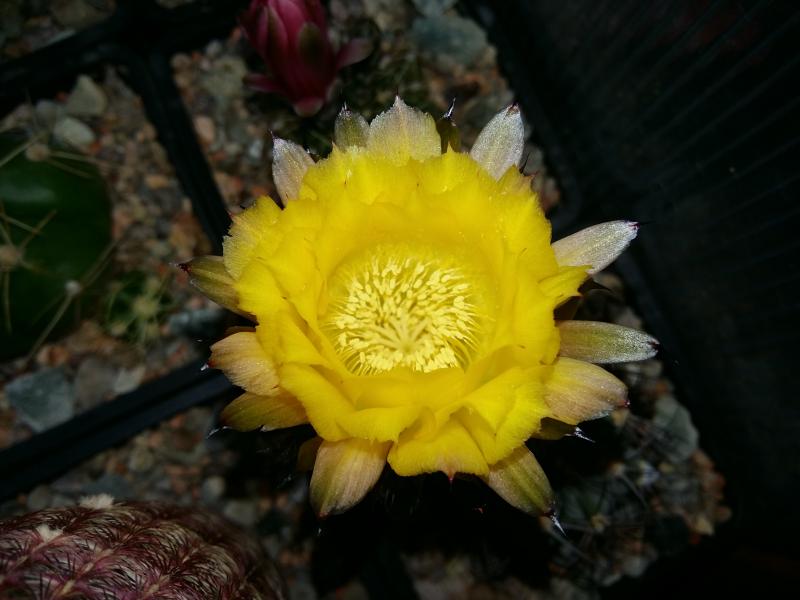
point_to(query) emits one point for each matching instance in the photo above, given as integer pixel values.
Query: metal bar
(50, 453)
(164, 107)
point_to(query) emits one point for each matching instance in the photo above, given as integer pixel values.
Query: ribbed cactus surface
(129, 551)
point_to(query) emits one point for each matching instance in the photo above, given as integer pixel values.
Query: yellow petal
(494, 399)
(597, 246)
(597, 342)
(250, 228)
(520, 481)
(258, 290)
(450, 449)
(296, 270)
(350, 129)
(289, 165)
(447, 172)
(380, 424)
(499, 145)
(324, 403)
(404, 387)
(527, 408)
(532, 319)
(294, 344)
(402, 133)
(564, 284)
(344, 472)
(245, 363)
(209, 275)
(250, 411)
(577, 391)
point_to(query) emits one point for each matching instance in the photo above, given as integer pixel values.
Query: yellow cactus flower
(404, 306)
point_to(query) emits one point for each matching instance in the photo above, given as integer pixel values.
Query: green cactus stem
(55, 235)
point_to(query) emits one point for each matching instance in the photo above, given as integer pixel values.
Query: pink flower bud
(291, 36)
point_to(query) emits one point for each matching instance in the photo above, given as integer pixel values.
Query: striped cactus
(131, 550)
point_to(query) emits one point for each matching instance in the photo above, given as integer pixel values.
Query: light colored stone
(43, 399)
(224, 80)
(94, 382)
(206, 130)
(39, 498)
(141, 459)
(431, 8)
(388, 15)
(241, 512)
(212, 488)
(450, 41)
(128, 379)
(87, 99)
(77, 13)
(73, 132)
(48, 113)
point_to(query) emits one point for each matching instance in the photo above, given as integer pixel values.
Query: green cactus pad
(56, 222)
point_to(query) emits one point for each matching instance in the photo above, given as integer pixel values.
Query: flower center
(401, 306)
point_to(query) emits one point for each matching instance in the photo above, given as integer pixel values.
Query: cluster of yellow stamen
(399, 309)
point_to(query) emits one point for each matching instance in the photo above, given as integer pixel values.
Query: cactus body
(131, 550)
(56, 222)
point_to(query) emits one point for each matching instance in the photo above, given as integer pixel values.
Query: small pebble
(128, 379)
(141, 459)
(48, 112)
(94, 381)
(39, 498)
(42, 399)
(212, 489)
(79, 13)
(73, 132)
(87, 99)
(206, 130)
(449, 40)
(431, 8)
(242, 512)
